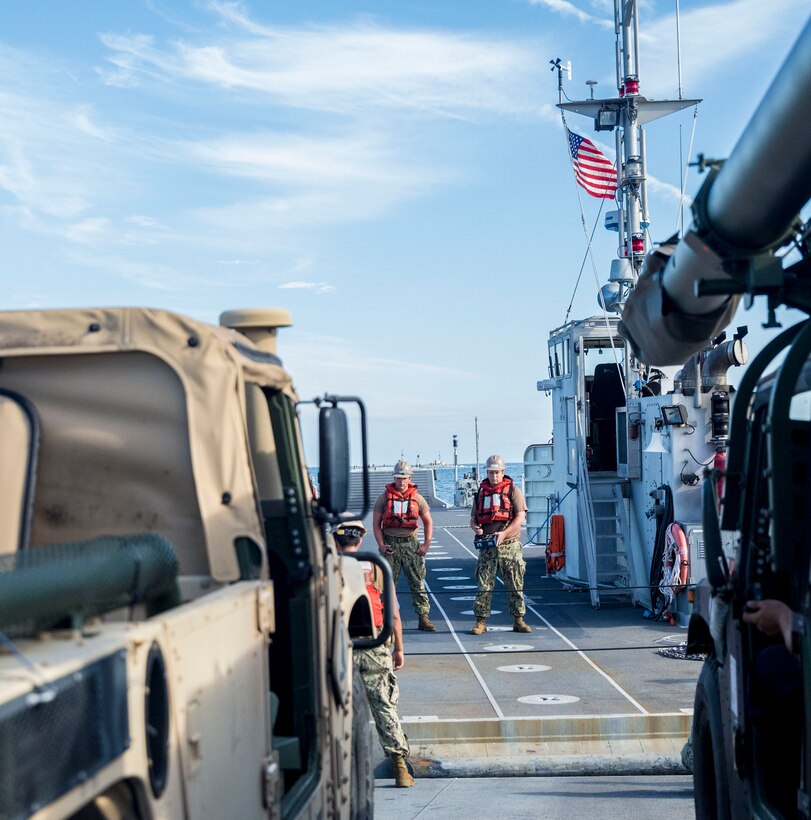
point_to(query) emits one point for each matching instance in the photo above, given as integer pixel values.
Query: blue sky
(393, 173)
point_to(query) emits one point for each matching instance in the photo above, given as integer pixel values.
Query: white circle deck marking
(525, 667)
(461, 586)
(670, 639)
(548, 700)
(492, 612)
(499, 629)
(446, 569)
(508, 647)
(454, 578)
(463, 598)
(440, 558)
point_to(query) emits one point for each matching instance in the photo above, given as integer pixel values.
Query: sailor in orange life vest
(396, 515)
(377, 666)
(499, 510)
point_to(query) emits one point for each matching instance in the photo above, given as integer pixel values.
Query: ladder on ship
(603, 522)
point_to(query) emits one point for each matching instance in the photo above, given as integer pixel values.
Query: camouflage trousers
(376, 668)
(405, 558)
(507, 558)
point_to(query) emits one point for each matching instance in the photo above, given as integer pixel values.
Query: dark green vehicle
(751, 736)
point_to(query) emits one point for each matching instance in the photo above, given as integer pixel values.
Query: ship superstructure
(630, 442)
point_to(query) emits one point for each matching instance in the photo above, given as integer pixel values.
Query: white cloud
(567, 9)
(355, 368)
(142, 221)
(316, 287)
(310, 160)
(154, 276)
(80, 118)
(713, 37)
(349, 68)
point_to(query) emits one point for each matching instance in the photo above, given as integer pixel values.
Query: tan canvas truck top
(175, 371)
(17, 450)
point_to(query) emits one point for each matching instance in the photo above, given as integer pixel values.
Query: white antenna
(678, 43)
(476, 427)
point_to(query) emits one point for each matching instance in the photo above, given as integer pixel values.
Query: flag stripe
(593, 171)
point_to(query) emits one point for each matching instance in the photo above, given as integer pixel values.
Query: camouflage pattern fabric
(405, 558)
(376, 668)
(508, 559)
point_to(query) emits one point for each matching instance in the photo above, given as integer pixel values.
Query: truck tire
(710, 779)
(362, 789)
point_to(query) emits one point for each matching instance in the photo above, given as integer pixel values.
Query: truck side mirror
(333, 460)
(714, 558)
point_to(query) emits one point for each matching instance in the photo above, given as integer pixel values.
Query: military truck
(176, 626)
(751, 736)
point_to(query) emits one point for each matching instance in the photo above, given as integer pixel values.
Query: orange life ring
(676, 549)
(556, 551)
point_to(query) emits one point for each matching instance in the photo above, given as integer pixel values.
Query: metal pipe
(747, 207)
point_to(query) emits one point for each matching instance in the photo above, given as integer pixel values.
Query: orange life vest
(401, 511)
(494, 504)
(374, 594)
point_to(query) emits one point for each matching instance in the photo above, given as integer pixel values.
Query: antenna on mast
(559, 66)
(476, 427)
(455, 471)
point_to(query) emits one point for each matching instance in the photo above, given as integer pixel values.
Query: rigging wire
(566, 586)
(542, 651)
(556, 506)
(590, 255)
(589, 252)
(685, 173)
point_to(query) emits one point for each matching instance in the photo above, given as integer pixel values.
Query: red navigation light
(630, 85)
(637, 244)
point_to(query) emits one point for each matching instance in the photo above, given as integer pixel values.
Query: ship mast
(625, 114)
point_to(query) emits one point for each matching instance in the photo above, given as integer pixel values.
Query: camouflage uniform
(376, 668)
(507, 558)
(404, 557)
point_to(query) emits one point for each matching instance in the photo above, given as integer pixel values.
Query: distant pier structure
(424, 478)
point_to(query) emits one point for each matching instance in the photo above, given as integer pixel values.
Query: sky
(395, 173)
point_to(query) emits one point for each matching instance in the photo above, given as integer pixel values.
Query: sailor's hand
(398, 659)
(385, 549)
(422, 549)
(499, 538)
(770, 617)
(476, 529)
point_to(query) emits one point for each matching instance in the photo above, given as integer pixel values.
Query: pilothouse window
(599, 351)
(559, 359)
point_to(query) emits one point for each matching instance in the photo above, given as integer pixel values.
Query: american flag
(592, 170)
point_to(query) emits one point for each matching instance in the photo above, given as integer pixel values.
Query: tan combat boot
(425, 625)
(402, 777)
(521, 626)
(481, 627)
